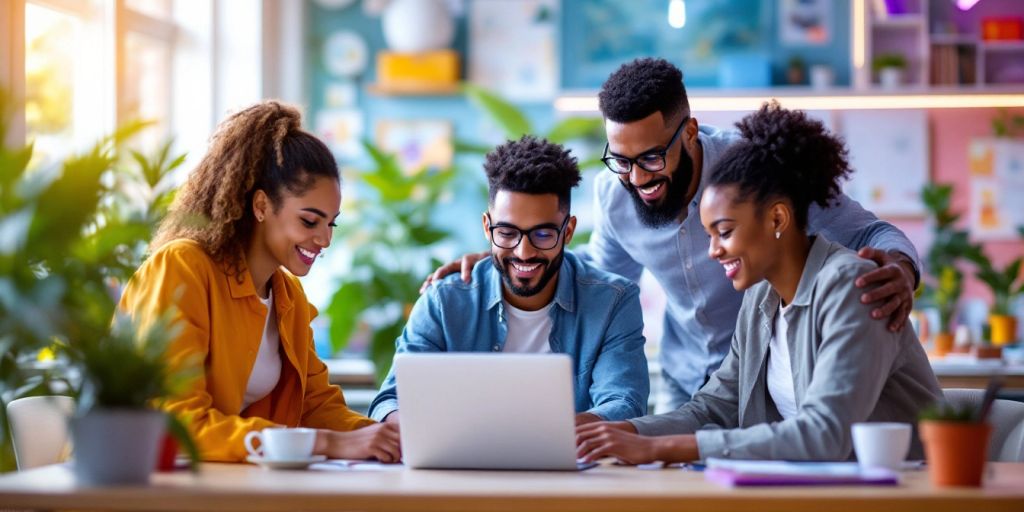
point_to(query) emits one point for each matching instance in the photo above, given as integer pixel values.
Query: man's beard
(674, 200)
(550, 270)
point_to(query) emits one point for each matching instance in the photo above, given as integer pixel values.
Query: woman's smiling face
(742, 236)
(297, 229)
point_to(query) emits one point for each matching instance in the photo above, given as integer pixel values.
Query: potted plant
(951, 247)
(796, 71)
(889, 67)
(1006, 285)
(955, 444)
(68, 238)
(118, 429)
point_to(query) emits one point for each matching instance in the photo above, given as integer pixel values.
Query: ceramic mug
(881, 445)
(280, 443)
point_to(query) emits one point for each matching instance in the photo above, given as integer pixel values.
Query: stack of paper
(734, 473)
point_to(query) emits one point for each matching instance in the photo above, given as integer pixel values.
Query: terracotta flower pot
(1004, 329)
(956, 451)
(943, 343)
(987, 352)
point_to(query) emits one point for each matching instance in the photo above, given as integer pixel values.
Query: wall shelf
(838, 98)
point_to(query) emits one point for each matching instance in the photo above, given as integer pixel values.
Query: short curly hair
(784, 153)
(642, 87)
(260, 148)
(532, 166)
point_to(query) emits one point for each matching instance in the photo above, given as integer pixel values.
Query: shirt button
(495, 348)
(682, 231)
(689, 264)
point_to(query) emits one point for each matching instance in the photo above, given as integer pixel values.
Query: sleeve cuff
(711, 443)
(381, 410)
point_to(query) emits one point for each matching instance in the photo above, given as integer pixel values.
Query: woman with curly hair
(255, 213)
(806, 360)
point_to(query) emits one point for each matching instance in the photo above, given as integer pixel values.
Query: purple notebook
(744, 473)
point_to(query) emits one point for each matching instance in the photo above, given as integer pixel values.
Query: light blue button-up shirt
(596, 320)
(701, 306)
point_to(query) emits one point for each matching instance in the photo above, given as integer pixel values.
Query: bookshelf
(943, 46)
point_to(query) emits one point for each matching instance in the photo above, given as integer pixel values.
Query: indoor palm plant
(67, 240)
(950, 248)
(1006, 285)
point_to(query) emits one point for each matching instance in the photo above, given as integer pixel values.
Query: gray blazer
(847, 367)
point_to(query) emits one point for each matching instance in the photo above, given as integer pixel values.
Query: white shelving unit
(934, 58)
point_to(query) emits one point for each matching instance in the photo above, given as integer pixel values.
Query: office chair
(1007, 419)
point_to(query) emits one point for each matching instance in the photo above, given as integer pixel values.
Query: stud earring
(778, 235)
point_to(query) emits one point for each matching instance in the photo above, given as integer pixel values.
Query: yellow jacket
(222, 324)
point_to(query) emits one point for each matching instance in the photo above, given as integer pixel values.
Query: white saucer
(285, 463)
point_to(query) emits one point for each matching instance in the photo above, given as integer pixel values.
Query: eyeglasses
(652, 161)
(507, 236)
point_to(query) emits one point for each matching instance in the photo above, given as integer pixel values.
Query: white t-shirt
(267, 369)
(780, 371)
(528, 331)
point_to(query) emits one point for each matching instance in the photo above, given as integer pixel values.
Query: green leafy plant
(888, 60)
(950, 248)
(1005, 124)
(1006, 284)
(945, 411)
(65, 240)
(392, 242)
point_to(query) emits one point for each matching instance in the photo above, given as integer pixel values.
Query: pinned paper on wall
(997, 184)
(341, 130)
(513, 47)
(889, 157)
(417, 143)
(805, 22)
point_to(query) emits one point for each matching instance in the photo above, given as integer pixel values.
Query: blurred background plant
(68, 238)
(951, 247)
(395, 241)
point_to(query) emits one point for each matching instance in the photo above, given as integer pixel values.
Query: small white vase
(413, 26)
(890, 78)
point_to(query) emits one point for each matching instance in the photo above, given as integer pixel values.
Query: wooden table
(611, 488)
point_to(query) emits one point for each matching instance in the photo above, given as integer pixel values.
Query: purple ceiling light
(966, 5)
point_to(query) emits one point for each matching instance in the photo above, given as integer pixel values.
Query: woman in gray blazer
(807, 360)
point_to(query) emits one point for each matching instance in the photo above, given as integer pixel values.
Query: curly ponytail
(260, 148)
(784, 154)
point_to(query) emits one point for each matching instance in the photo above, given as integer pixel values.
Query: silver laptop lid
(486, 411)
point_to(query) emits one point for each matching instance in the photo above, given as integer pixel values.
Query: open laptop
(487, 411)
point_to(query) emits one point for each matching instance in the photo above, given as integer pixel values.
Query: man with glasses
(647, 218)
(532, 296)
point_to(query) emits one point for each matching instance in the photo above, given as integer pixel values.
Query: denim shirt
(596, 320)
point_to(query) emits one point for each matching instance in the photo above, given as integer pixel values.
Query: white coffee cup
(881, 445)
(280, 443)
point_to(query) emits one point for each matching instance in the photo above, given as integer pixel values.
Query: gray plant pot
(117, 446)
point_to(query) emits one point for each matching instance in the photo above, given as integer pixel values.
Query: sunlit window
(146, 93)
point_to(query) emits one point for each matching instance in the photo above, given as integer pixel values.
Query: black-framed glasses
(543, 237)
(652, 161)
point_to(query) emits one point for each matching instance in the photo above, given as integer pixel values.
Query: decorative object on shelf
(890, 68)
(822, 76)
(513, 48)
(345, 54)
(414, 26)
(943, 278)
(796, 71)
(1003, 28)
(412, 73)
